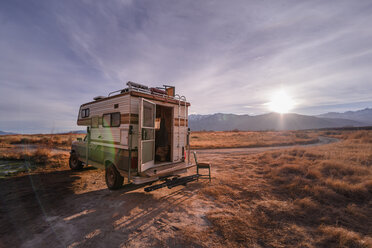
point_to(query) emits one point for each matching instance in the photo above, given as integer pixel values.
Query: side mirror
(79, 139)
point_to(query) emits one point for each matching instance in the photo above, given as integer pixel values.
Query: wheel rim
(110, 176)
(74, 161)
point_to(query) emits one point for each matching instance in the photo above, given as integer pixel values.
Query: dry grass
(47, 140)
(202, 140)
(300, 197)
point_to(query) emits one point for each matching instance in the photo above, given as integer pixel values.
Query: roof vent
(98, 98)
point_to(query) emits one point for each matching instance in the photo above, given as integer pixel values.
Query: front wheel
(74, 162)
(113, 178)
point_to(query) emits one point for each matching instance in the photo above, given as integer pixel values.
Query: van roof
(137, 93)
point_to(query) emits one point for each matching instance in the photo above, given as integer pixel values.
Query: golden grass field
(314, 196)
(203, 140)
(299, 197)
(46, 140)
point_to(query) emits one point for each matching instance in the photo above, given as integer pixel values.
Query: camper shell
(139, 133)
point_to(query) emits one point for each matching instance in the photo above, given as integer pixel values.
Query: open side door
(146, 138)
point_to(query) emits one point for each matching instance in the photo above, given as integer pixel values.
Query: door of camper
(147, 134)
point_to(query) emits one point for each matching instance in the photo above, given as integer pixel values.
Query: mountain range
(275, 121)
(5, 133)
(364, 115)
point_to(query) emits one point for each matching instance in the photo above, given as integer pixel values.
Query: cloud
(222, 56)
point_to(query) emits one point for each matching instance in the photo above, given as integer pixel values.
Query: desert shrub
(69, 141)
(341, 237)
(331, 168)
(358, 192)
(221, 192)
(332, 132)
(313, 156)
(306, 203)
(287, 157)
(232, 226)
(275, 155)
(358, 135)
(21, 141)
(40, 156)
(286, 134)
(297, 152)
(302, 135)
(313, 173)
(288, 169)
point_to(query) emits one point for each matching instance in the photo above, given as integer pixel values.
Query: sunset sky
(224, 56)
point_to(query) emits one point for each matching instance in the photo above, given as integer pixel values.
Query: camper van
(138, 133)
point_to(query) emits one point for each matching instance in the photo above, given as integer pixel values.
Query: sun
(281, 102)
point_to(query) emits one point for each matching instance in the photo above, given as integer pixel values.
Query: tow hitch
(170, 183)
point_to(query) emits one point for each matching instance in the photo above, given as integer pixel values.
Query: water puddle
(8, 167)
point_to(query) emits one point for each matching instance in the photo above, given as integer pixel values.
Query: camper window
(115, 119)
(148, 114)
(111, 120)
(106, 120)
(84, 113)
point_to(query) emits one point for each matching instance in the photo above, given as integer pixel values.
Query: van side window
(84, 113)
(111, 120)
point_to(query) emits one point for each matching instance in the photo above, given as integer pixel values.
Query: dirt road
(75, 209)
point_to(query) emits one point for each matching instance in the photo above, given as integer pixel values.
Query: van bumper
(153, 174)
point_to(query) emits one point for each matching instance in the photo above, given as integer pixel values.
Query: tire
(74, 162)
(113, 178)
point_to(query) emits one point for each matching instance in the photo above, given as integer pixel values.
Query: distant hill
(5, 133)
(364, 115)
(271, 121)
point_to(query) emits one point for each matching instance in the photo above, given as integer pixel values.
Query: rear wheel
(74, 162)
(113, 178)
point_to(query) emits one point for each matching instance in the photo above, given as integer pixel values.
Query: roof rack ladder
(183, 98)
(178, 97)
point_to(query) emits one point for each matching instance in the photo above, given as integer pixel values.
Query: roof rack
(156, 91)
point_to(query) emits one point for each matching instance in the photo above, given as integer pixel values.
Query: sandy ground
(75, 209)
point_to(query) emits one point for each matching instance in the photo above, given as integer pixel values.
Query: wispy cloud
(224, 56)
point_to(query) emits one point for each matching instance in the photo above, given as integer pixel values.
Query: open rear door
(147, 134)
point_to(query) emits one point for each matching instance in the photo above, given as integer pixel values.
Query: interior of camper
(163, 134)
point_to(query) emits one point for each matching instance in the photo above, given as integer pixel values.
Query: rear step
(170, 183)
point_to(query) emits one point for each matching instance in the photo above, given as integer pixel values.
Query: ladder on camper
(181, 98)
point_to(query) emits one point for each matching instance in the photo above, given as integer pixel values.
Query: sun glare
(281, 103)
